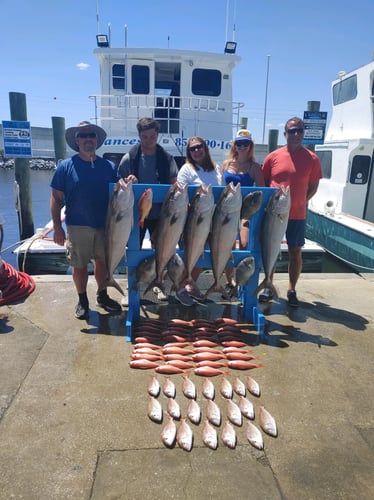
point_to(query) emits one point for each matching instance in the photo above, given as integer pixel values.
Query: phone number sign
(17, 139)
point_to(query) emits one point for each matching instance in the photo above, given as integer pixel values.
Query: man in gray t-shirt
(148, 163)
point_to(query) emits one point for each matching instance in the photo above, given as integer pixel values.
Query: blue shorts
(295, 233)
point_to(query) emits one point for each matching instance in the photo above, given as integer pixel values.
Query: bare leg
(80, 278)
(100, 273)
(294, 266)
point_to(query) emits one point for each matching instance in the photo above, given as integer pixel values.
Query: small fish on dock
(155, 410)
(184, 435)
(210, 436)
(169, 432)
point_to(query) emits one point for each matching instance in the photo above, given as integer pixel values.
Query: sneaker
(293, 301)
(184, 298)
(81, 311)
(103, 300)
(194, 292)
(160, 294)
(266, 295)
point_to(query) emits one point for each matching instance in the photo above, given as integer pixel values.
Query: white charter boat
(341, 213)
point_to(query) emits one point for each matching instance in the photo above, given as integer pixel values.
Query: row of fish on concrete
(207, 348)
(233, 410)
(196, 222)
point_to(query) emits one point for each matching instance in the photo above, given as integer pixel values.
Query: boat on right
(341, 213)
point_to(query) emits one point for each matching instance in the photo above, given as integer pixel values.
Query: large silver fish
(243, 272)
(119, 222)
(169, 228)
(225, 227)
(145, 272)
(272, 231)
(176, 271)
(251, 204)
(198, 225)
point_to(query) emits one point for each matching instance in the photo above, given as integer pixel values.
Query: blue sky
(47, 50)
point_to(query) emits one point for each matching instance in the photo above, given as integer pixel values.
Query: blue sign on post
(315, 126)
(17, 139)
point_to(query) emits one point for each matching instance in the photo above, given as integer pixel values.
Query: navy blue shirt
(86, 189)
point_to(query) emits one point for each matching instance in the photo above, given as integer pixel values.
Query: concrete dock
(73, 414)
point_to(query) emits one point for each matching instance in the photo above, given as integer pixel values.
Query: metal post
(58, 128)
(273, 139)
(266, 98)
(17, 104)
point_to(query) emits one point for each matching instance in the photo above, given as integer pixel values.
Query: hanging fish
(184, 435)
(233, 413)
(193, 412)
(213, 413)
(210, 436)
(253, 386)
(239, 387)
(254, 435)
(169, 432)
(173, 408)
(144, 206)
(246, 407)
(228, 435)
(154, 386)
(168, 388)
(208, 389)
(188, 387)
(226, 388)
(267, 422)
(155, 410)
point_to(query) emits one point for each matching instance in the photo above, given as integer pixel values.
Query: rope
(14, 285)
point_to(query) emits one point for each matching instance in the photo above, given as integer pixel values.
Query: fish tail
(266, 283)
(112, 282)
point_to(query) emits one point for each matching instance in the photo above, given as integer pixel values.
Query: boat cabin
(188, 92)
(347, 155)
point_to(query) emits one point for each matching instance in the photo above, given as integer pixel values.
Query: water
(41, 191)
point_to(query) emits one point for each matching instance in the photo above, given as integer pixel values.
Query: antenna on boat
(230, 46)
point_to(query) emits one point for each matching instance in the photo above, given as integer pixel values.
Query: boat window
(118, 73)
(360, 169)
(206, 82)
(140, 79)
(325, 157)
(345, 90)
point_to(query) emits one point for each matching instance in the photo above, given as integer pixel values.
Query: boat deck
(73, 415)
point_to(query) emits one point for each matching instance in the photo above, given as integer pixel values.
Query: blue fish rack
(135, 254)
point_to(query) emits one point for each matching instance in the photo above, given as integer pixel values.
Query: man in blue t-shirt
(82, 184)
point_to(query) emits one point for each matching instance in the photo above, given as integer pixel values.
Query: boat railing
(119, 107)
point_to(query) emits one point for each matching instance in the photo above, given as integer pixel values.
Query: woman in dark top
(241, 167)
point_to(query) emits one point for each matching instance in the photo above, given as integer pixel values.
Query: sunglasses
(294, 131)
(242, 144)
(193, 149)
(87, 135)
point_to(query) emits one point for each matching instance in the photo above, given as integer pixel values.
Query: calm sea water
(40, 180)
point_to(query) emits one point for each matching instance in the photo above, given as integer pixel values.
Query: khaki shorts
(83, 244)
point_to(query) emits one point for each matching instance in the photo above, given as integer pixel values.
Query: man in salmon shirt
(299, 168)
